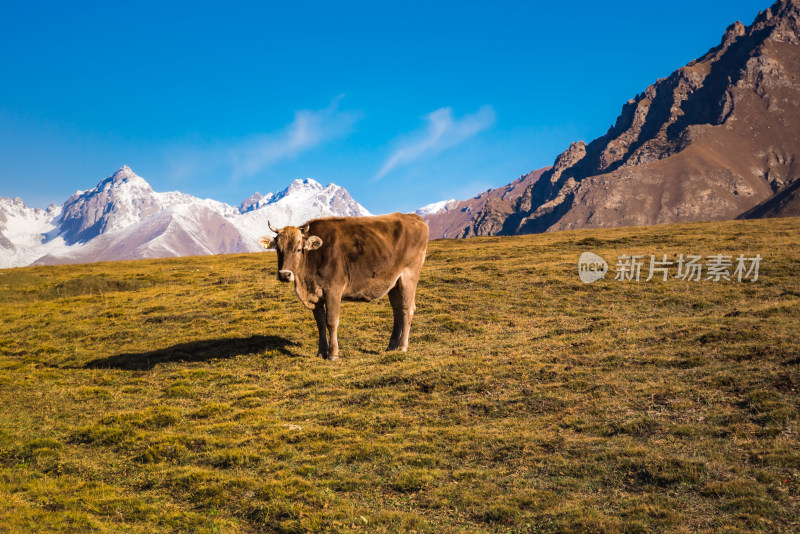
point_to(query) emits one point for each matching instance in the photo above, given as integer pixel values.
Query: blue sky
(402, 103)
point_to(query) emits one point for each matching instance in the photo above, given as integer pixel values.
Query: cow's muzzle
(286, 276)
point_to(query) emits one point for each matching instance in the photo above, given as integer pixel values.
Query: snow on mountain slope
(22, 231)
(120, 201)
(255, 201)
(180, 230)
(123, 218)
(436, 207)
(301, 201)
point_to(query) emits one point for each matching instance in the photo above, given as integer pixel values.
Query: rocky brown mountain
(717, 139)
(483, 214)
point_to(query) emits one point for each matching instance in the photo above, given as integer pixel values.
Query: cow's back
(367, 254)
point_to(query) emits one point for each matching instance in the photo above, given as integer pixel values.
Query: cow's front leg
(320, 317)
(332, 304)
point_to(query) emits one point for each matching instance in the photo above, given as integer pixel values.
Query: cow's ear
(266, 241)
(313, 243)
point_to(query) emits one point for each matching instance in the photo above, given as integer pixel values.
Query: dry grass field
(184, 395)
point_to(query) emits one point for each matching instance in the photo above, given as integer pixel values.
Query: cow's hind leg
(401, 297)
(321, 317)
(396, 300)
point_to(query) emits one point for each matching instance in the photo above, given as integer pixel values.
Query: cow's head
(291, 243)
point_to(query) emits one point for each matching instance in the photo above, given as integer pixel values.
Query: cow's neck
(307, 291)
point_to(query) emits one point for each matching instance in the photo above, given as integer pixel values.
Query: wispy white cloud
(442, 130)
(249, 156)
(309, 128)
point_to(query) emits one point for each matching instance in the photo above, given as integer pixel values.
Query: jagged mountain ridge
(478, 215)
(302, 200)
(706, 143)
(711, 141)
(123, 218)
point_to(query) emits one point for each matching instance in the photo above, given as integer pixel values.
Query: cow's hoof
(327, 355)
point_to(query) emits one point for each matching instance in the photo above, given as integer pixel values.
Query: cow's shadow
(195, 351)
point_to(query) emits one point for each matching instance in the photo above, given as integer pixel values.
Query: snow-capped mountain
(118, 202)
(437, 207)
(123, 218)
(301, 201)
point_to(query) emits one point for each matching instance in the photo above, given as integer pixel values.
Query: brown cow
(353, 258)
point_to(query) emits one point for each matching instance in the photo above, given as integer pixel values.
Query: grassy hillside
(184, 395)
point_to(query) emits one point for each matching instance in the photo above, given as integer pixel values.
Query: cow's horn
(272, 227)
(305, 228)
